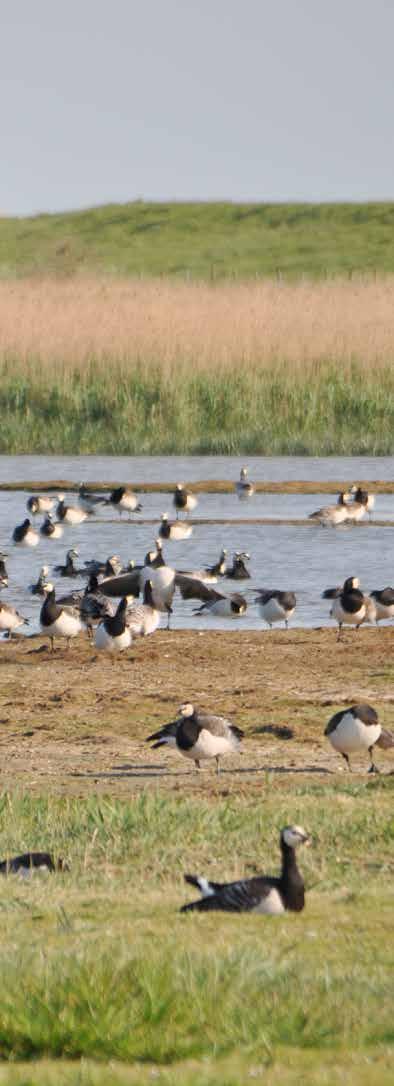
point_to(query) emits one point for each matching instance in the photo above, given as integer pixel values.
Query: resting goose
(233, 606)
(51, 529)
(349, 608)
(238, 570)
(354, 730)
(244, 488)
(30, 862)
(123, 498)
(364, 498)
(262, 894)
(276, 606)
(143, 618)
(174, 529)
(198, 735)
(184, 500)
(57, 620)
(69, 570)
(89, 501)
(10, 619)
(24, 535)
(42, 586)
(3, 571)
(333, 514)
(40, 503)
(113, 635)
(70, 514)
(384, 603)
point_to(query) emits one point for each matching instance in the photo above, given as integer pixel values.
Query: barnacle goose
(24, 535)
(349, 608)
(232, 606)
(123, 498)
(50, 528)
(276, 606)
(41, 586)
(244, 488)
(70, 514)
(143, 618)
(10, 618)
(40, 503)
(56, 620)
(262, 894)
(174, 529)
(110, 568)
(3, 571)
(354, 730)
(29, 862)
(239, 571)
(89, 501)
(184, 500)
(384, 602)
(333, 514)
(363, 497)
(113, 635)
(69, 570)
(198, 735)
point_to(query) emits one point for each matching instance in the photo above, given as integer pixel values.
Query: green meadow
(104, 981)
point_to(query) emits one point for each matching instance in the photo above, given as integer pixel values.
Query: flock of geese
(196, 735)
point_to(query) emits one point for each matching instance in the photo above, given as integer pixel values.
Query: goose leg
(373, 768)
(52, 644)
(347, 760)
(217, 764)
(339, 637)
(197, 764)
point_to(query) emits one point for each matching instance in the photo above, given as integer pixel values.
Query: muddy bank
(207, 486)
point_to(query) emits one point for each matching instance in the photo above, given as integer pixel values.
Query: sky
(117, 100)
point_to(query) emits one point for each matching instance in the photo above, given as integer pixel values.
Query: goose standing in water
(219, 568)
(184, 500)
(276, 606)
(175, 529)
(198, 735)
(10, 619)
(70, 514)
(56, 620)
(40, 503)
(51, 529)
(24, 535)
(113, 635)
(262, 894)
(333, 514)
(244, 488)
(124, 499)
(356, 730)
(41, 586)
(349, 608)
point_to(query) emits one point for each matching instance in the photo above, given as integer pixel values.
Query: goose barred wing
(218, 725)
(234, 897)
(386, 739)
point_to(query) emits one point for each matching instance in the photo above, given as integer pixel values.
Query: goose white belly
(65, 626)
(223, 608)
(162, 580)
(244, 491)
(9, 621)
(271, 905)
(347, 617)
(383, 610)
(74, 516)
(180, 530)
(30, 539)
(103, 640)
(272, 611)
(357, 512)
(352, 735)
(210, 746)
(57, 532)
(143, 621)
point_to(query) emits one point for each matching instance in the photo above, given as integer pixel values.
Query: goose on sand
(199, 735)
(40, 503)
(174, 529)
(355, 730)
(113, 635)
(10, 619)
(184, 500)
(50, 528)
(349, 608)
(70, 514)
(262, 894)
(29, 862)
(276, 606)
(24, 535)
(244, 488)
(124, 499)
(56, 620)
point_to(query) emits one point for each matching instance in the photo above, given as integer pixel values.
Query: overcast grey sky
(195, 99)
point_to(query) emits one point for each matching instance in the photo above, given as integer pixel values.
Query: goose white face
(164, 516)
(294, 835)
(61, 497)
(187, 709)
(355, 582)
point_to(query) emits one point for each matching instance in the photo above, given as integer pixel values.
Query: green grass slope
(202, 240)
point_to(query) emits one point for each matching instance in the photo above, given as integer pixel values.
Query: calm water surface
(305, 559)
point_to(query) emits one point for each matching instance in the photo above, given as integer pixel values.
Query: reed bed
(98, 365)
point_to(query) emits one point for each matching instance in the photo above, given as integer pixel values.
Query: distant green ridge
(203, 240)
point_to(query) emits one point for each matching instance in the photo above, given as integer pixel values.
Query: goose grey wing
(217, 725)
(126, 584)
(191, 588)
(234, 897)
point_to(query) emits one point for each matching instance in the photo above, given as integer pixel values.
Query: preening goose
(174, 529)
(333, 514)
(198, 735)
(124, 499)
(10, 618)
(56, 620)
(354, 730)
(184, 500)
(349, 608)
(113, 635)
(50, 528)
(276, 606)
(24, 535)
(263, 894)
(40, 503)
(244, 488)
(69, 514)
(30, 862)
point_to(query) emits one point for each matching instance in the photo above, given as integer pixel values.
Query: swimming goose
(29, 862)
(354, 730)
(70, 514)
(143, 618)
(57, 620)
(89, 501)
(360, 495)
(184, 500)
(3, 571)
(219, 568)
(123, 498)
(233, 606)
(24, 535)
(199, 735)
(69, 570)
(113, 635)
(42, 586)
(349, 608)
(276, 606)
(238, 570)
(50, 528)
(174, 529)
(357, 508)
(110, 568)
(333, 514)
(244, 488)
(262, 894)
(40, 503)
(384, 602)
(10, 619)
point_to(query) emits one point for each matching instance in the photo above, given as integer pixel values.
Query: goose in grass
(384, 603)
(143, 618)
(357, 730)
(88, 501)
(271, 895)
(113, 635)
(364, 497)
(233, 606)
(174, 529)
(40, 503)
(51, 529)
(349, 608)
(184, 500)
(124, 500)
(198, 735)
(41, 587)
(10, 619)
(68, 569)
(238, 571)
(69, 514)
(57, 620)
(24, 535)
(30, 862)
(333, 514)
(276, 606)
(3, 571)
(244, 488)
